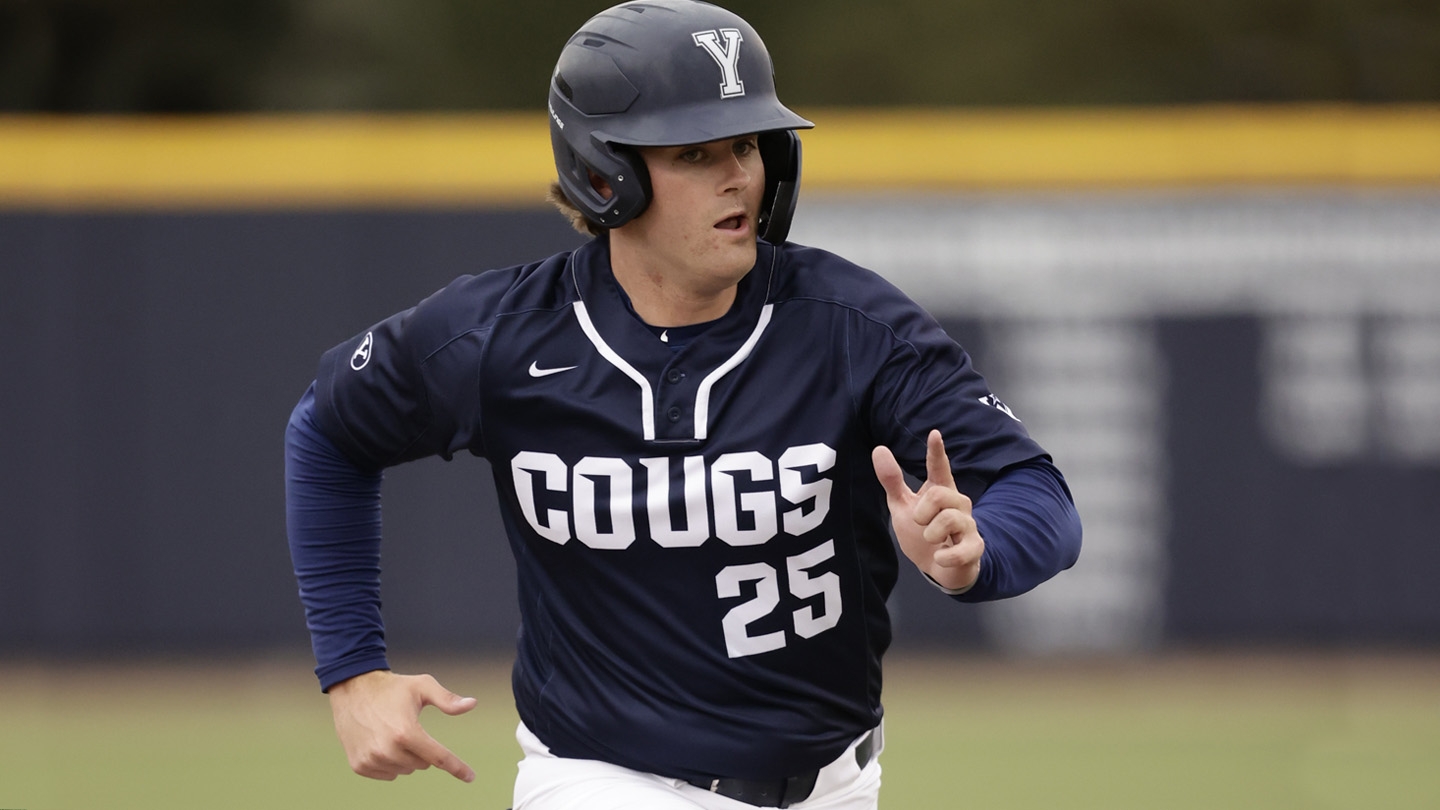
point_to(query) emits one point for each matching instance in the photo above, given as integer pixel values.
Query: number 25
(738, 641)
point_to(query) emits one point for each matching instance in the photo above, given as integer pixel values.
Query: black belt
(779, 792)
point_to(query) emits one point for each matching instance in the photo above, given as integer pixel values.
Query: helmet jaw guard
(780, 151)
(666, 73)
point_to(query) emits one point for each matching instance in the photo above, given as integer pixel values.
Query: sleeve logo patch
(994, 402)
(361, 357)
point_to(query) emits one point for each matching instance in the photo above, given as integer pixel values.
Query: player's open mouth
(734, 223)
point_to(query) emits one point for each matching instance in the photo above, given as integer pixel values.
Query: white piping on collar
(702, 396)
(647, 397)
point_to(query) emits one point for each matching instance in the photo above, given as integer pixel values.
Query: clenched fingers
(387, 763)
(406, 754)
(963, 551)
(945, 509)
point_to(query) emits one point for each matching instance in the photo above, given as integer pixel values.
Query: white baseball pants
(548, 782)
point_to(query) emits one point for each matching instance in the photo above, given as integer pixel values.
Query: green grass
(1209, 732)
(1240, 732)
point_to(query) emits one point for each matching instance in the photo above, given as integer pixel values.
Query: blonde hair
(556, 197)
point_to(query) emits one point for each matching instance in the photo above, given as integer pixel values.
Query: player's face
(700, 226)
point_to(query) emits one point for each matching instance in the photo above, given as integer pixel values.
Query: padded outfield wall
(1225, 324)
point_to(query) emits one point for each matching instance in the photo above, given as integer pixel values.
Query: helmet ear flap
(780, 152)
(629, 181)
(622, 169)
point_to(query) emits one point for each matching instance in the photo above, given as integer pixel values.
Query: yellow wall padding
(504, 158)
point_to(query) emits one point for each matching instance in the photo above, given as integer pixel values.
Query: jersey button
(675, 375)
(674, 415)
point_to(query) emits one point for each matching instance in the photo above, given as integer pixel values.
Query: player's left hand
(933, 524)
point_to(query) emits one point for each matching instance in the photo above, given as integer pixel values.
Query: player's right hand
(377, 717)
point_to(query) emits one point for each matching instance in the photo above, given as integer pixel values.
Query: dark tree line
(280, 55)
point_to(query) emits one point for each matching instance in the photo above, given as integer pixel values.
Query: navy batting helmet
(666, 73)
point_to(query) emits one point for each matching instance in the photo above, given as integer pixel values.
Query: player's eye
(693, 155)
(746, 146)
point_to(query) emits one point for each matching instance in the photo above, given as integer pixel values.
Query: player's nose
(741, 170)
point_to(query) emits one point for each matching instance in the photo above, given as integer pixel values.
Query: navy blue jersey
(702, 546)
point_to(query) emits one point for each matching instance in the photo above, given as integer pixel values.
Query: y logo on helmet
(727, 57)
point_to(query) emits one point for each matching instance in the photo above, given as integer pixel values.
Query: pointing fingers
(428, 748)
(934, 525)
(942, 509)
(431, 752)
(937, 462)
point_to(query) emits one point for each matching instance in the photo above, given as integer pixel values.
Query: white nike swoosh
(536, 371)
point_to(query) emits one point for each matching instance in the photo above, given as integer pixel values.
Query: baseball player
(700, 435)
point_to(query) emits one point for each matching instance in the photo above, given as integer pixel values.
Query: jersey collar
(629, 345)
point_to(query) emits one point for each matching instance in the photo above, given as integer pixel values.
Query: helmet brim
(697, 123)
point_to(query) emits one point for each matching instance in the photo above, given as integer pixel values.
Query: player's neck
(665, 298)
(661, 304)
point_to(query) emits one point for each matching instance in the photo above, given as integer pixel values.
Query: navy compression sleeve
(332, 511)
(1031, 530)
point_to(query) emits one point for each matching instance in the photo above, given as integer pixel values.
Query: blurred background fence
(1222, 317)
